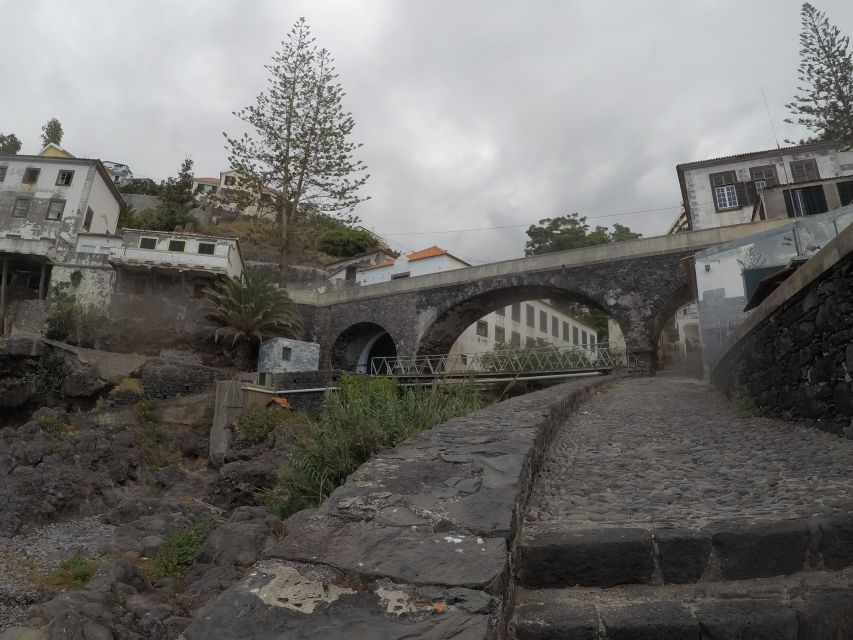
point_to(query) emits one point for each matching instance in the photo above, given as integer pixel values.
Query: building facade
(46, 202)
(724, 191)
(229, 192)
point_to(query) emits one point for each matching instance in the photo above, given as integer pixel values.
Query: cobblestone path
(663, 510)
(669, 450)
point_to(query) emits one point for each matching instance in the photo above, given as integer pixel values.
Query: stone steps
(556, 555)
(805, 606)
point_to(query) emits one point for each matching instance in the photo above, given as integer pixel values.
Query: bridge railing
(592, 357)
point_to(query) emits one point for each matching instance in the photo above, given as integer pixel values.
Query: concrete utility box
(282, 355)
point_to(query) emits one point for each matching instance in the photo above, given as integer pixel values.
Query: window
(463, 358)
(22, 208)
(804, 170)
(64, 178)
(515, 339)
(206, 248)
(725, 191)
(763, 176)
(845, 193)
(2, 173)
(567, 336)
(555, 327)
(583, 338)
(177, 245)
(531, 316)
(516, 312)
(262, 379)
(500, 336)
(87, 221)
(806, 201)
(148, 243)
(543, 321)
(285, 353)
(482, 328)
(575, 336)
(31, 175)
(55, 209)
(500, 312)
(230, 181)
(400, 276)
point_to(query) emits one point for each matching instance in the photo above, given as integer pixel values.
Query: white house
(228, 192)
(46, 201)
(722, 191)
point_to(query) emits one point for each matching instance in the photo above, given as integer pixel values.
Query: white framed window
(55, 209)
(206, 248)
(22, 208)
(64, 178)
(726, 197)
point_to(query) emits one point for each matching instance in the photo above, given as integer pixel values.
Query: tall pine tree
(824, 105)
(299, 147)
(51, 132)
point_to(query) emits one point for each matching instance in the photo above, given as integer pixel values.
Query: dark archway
(359, 344)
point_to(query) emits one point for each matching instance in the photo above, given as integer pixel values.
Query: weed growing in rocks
(747, 407)
(177, 552)
(256, 425)
(365, 416)
(151, 439)
(50, 374)
(73, 573)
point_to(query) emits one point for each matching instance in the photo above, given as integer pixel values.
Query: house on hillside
(226, 191)
(534, 323)
(344, 272)
(802, 180)
(46, 201)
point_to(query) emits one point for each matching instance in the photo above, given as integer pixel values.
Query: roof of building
(333, 263)
(193, 234)
(52, 150)
(386, 263)
(99, 167)
(750, 155)
(433, 252)
(207, 180)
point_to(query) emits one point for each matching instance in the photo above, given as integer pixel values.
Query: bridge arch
(444, 329)
(353, 349)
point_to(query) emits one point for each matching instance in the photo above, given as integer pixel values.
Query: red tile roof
(429, 252)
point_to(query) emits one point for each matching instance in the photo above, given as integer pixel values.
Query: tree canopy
(9, 144)
(346, 242)
(51, 132)
(176, 201)
(299, 144)
(824, 102)
(571, 232)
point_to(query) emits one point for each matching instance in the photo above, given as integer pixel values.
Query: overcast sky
(473, 114)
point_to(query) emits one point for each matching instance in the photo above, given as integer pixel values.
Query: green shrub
(73, 573)
(153, 435)
(255, 425)
(177, 552)
(365, 416)
(49, 423)
(75, 322)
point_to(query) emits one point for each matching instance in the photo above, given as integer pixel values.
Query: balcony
(179, 261)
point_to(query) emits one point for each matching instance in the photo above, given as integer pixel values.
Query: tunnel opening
(359, 346)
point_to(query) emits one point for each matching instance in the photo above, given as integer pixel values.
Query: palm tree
(250, 311)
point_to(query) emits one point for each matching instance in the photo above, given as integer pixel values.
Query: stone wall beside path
(417, 544)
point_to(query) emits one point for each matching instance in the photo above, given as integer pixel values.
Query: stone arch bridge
(639, 283)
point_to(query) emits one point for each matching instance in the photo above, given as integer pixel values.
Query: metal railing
(593, 357)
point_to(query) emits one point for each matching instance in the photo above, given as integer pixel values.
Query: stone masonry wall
(798, 362)
(419, 542)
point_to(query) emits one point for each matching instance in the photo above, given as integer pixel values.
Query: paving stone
(649, 621)
(683, 554)
(556, 622)
(760, 550)
(746, 620)
(600, 558)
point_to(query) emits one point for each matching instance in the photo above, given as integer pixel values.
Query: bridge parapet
(793, 357)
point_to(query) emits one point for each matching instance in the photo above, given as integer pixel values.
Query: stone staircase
(789, 579)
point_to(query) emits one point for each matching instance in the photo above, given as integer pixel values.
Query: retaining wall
(419, 542)
(793, 357)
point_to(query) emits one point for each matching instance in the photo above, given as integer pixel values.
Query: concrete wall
(303, 356)
(225, 257)
(793, 357)
(96, 279)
